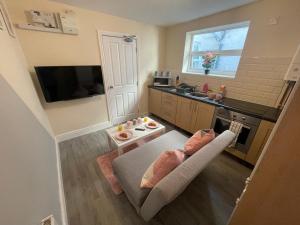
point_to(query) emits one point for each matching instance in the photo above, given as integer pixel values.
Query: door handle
(110, 87)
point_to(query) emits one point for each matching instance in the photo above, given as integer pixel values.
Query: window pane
(231, 39)
(197, 63)
(222, 65)
(227, 64)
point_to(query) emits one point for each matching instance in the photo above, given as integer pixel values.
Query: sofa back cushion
(198, 140)
(162, 166)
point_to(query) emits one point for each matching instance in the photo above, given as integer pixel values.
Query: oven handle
(229, 121)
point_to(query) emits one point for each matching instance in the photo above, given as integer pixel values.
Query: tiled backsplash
(258, 80)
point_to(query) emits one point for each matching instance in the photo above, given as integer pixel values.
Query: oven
(222, 120)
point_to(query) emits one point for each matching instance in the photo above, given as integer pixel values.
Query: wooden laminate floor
(208, 200)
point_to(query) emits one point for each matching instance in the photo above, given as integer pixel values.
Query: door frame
(102, 33)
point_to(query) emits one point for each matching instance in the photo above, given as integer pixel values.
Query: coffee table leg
(120, 151)
(109, 143)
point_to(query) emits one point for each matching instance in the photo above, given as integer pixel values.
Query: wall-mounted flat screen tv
(60, 83)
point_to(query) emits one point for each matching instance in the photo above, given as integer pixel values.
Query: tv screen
(61, 83)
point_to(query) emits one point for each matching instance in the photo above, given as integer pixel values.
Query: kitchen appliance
(60, 83)
(162, 79)
(222, 120)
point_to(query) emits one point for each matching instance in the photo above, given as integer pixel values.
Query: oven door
(245, 137)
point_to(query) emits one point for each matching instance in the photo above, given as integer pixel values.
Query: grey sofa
(130, 168)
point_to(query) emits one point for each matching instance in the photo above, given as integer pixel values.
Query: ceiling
(158, 12)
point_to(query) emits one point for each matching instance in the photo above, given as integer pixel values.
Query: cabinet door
(259, 141)
(205, 113)
(155, 101)
(168, 107)
(186, 113)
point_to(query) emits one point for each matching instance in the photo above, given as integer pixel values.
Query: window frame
(187, 67)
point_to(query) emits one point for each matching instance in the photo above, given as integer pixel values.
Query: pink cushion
(198, 140)
(162, 166)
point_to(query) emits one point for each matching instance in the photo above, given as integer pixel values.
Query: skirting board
(62, 201)
(83, 131)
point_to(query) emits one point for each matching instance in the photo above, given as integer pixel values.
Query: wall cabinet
(262, 135)
(155, 101)
(168, 107)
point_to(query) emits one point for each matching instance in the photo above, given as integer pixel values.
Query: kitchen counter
(251, 109)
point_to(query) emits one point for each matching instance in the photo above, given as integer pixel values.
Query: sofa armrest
(175, 183)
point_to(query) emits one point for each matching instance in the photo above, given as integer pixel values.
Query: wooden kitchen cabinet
(168, 107)
(155, 101)
(186, 114)
(204, 116)
(193, 115)
(259, 141)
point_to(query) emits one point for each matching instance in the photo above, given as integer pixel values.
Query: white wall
(28, 164)
(58, 49)
(267, 53)
(13, 68)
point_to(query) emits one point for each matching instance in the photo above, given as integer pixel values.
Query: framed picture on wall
(6, 18)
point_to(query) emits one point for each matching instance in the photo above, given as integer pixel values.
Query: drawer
(168, 107)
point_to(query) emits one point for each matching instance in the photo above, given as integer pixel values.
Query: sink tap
(195, 88)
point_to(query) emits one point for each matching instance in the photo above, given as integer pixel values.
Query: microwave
(162, 81)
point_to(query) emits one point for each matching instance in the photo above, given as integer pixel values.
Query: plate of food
(151, 125)
(123, 135)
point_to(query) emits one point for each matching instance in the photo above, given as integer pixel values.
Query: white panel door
(119, 61)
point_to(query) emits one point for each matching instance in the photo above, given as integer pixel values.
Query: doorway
(119, 63)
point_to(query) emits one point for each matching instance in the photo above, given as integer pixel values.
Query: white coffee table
(136, 135)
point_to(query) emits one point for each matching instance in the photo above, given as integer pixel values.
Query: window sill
(209, 75)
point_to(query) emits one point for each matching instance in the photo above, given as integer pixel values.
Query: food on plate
(123, 135)
(152, 124)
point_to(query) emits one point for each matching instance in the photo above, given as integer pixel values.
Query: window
(225, 42)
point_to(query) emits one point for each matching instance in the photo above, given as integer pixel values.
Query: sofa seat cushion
(130, 167)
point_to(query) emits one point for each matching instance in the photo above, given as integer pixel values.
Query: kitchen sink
(179, 90)
(198, 94)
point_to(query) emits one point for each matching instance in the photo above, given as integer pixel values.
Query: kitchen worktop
(251, 109)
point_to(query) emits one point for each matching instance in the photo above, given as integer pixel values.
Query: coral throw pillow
(162, 166)
(198, 140)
